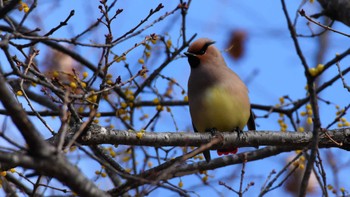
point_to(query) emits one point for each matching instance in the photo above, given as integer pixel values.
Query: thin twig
(285, 168)
(35, 53)
(302, 13)
(342, 78)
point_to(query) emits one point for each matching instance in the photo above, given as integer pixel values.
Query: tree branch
(298, 140)
(55, 166)
(191, 168)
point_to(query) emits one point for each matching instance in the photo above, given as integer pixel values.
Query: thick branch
(337, 10)
(55, 166)
(8, 8)
(37, 145)
(101, 135)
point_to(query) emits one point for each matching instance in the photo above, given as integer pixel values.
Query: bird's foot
(212, 131)
(239, 131)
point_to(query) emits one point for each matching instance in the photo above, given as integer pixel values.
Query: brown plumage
(218, 99)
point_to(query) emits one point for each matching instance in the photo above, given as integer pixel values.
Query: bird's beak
(210, 43)
(188, 54)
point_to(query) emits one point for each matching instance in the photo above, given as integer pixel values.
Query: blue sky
(269, 52)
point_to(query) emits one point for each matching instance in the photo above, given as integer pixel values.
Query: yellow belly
(223, 110)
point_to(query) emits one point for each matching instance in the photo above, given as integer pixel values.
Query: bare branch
(298, 140)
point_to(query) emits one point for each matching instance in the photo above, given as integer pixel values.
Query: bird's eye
(202, 51)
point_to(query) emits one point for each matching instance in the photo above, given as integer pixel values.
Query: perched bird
(218, 99)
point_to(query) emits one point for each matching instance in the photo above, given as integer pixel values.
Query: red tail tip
(226, 151)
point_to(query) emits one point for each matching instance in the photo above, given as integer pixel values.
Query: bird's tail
(206, 154)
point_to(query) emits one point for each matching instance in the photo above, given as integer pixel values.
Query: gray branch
(101, 135)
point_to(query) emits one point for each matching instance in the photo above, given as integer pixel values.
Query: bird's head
(201, 51)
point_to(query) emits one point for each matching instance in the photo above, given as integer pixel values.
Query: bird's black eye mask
(204, 48)
(193, 60)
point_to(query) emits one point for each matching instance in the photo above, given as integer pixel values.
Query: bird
(218, 98)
